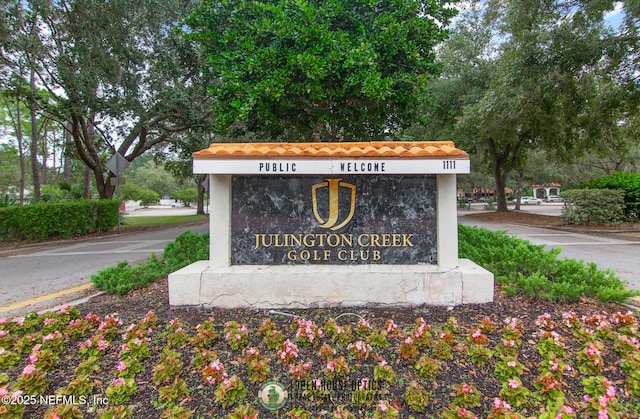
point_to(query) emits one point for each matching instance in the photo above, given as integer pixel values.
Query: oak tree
(326, 70)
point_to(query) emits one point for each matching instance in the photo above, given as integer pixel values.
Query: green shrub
(59, 219)
(186, 195)
(523, 268)
(184, 250)
(187, 248)
(520, 267)
(7, 201)
(626, 182)
(148, 197)
(593, 206)
(123, 278)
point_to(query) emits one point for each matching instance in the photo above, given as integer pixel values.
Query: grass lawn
(144, 221)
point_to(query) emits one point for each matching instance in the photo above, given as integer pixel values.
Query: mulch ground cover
(135, 356)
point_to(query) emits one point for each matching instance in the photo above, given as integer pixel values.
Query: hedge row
(62, 219)
(626, 182)
(593, 206)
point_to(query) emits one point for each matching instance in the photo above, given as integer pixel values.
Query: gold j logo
(333, 186)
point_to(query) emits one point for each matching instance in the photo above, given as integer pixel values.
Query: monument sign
(329, 224)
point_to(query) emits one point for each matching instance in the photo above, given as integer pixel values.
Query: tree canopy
(523, 74)
(120, 76)
(325, 70)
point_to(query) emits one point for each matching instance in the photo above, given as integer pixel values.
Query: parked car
(553, 198)
(528, 200)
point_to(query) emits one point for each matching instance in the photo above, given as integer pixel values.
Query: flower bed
(133, 356)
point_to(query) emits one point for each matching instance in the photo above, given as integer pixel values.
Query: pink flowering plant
(206, 334)
(384, 372)
(340, 335)
(326, 352)
(214, 373)
(288, 352)
(136, 349)
(359, 350)
(230, 391)
(271, 336)
(341, 412)
(508, 367)
(427, 367)
(177, 336)
(307, 333)
(385, 410)
(96, 346)
(257, 366)
(408, 349)
(109, 326)
(121, 389)
(515, 393)
(236, 334)
(363, 327)
(337, 368)
(600, 398)
(453, 411)
(503, 410)
(421, 334)
(301, 370)
(32, 380)
(589, 359)
(442, 347)
(554, 365)
(466, 395)
(513, 329)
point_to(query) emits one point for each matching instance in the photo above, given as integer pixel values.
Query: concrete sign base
(310, 286)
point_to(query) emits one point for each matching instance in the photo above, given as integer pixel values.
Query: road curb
(43, 298)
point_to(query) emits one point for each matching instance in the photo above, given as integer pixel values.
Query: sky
(614, 18)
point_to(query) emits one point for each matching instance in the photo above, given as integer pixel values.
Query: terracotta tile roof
(424, 149)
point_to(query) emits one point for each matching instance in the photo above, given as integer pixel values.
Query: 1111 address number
(449, 164)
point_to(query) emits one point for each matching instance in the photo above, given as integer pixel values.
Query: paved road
(34, 272)
(610, 251)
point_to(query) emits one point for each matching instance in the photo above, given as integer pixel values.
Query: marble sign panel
(333, 220)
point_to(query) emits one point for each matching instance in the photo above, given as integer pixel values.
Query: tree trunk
(315, 135)
(68, 144)
(519, 189)
(86, 186)
(35, 173)
(499, 177)
(501, 197)
(45, 157)
(504, 160)
(201, 193)
(20, 138)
